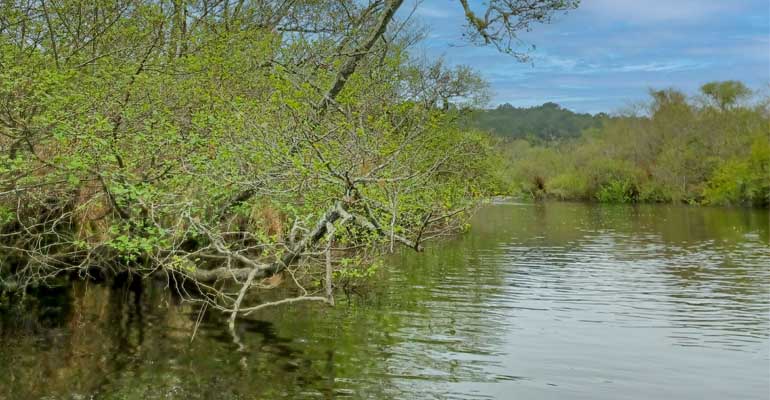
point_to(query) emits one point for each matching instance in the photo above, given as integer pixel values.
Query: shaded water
(548, 301)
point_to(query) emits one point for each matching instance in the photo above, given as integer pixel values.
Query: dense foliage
(544, 123)
(210, 140)
(712, 149)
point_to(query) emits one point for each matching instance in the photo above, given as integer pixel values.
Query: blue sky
(605, 55)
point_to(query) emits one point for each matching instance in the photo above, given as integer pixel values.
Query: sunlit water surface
(537, 301)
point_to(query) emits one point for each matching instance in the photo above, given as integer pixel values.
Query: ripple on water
(538, 301)
(625, 302)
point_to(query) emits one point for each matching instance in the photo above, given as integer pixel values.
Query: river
(536, 301)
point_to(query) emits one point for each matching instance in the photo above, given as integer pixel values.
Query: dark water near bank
(554, 301)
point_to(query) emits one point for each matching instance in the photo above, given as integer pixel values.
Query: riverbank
(705, 150)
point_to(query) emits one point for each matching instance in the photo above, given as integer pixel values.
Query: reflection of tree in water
(703, 271)
(41, 309)
(429, 321)
(446, 302)
(69, 349)
(133, 341)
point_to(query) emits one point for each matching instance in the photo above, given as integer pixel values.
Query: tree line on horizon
(544, 123)
(710, 149)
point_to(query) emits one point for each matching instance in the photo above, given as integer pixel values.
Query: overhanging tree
(214, 141)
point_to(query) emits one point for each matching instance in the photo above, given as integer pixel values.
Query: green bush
(568, 186)
(618, 191)
(654, 192)
(740, 181)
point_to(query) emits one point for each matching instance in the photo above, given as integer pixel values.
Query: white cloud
(555, 62)
(429, 11)
(664, 66)
(661, 10)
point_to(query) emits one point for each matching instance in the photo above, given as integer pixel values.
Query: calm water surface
(547, 301)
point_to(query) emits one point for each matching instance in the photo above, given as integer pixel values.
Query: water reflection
(538, 301)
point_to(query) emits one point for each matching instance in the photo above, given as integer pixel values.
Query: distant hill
(547, 122)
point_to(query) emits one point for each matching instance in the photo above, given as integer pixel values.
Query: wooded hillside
(547, 122)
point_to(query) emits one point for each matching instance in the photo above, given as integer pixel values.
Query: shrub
(743, 181)
(618, 191)
(568, 186)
